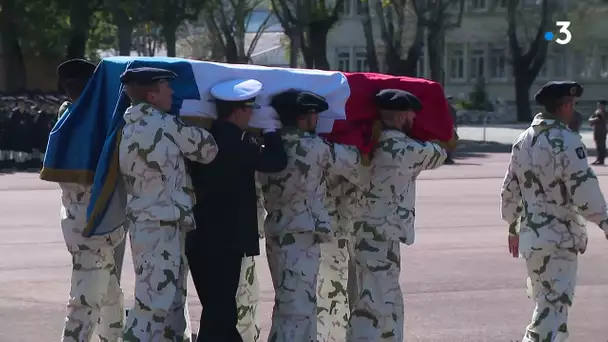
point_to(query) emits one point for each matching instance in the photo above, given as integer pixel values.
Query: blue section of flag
(84, 138)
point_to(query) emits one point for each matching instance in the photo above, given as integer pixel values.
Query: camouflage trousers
(95, 298)
(377, 313)
(551, 282)
(293, 259)
(332, 299)
(247, 301)
(160, 312)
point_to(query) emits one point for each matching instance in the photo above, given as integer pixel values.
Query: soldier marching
(201, 200)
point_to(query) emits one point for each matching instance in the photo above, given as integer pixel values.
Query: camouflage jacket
(152, 151)
(388, 206)
(295, 197)
(343, 201)
(261, 208)
(550, 189)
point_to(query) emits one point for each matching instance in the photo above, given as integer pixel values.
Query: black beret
(395, 99)
(556, 90)
(75, 69)
(296, 102)
(146, 75)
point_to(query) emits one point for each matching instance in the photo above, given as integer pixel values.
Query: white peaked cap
(236, 90)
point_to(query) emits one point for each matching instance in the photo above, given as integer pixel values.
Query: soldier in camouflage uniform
(297, 220)
(95, 295)
(248, 293)
(547, 194)
(388, 219)
(152, 153)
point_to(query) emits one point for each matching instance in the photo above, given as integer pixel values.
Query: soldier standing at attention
(226, 210)
(598, 123)
(298, 221)
(549, 191)
(388, 219)
(95, 294)
(152, 153)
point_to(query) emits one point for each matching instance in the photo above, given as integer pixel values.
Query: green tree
(170, 14)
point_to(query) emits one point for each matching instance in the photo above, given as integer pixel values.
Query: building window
(343, 60)
(456, 64)
(420, 67)
(478, 5)
(361, 64)
(503, 3)
(583, 65)
(498, 63)
(477, 63)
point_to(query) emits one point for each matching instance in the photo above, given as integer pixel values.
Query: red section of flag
(432, 122)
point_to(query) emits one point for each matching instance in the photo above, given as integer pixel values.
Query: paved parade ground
(459, 281)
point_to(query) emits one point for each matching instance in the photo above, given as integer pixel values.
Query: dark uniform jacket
(226, 202)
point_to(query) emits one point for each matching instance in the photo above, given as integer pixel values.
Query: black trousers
(216, 278)
(600, 146)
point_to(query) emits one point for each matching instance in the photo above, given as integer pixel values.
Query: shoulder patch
(580, 153)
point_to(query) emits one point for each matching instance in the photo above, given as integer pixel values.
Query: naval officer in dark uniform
(226, 207)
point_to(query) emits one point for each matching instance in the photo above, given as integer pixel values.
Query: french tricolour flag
(82, 145)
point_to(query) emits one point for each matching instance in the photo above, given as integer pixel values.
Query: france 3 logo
(563, 36)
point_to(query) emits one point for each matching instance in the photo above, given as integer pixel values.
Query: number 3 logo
(563, 29)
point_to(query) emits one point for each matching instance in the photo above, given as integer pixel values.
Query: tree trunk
(14, 64)
(318, 42)
(370, 46)
(294, 49)
(80, 23)
(169, 30)
(435, 52)
(522, 98)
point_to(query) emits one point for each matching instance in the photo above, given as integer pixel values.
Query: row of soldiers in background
(26, 121)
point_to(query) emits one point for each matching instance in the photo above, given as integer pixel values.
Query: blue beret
(146, 75)
(395, 99)
(556, 90)
(75, 69)
(296, 102)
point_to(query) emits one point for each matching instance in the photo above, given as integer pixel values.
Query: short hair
(553, 105)
(139, 92)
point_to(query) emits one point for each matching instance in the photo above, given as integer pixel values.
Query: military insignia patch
(580, 153)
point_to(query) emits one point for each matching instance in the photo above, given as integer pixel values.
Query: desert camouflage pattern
(248, 293)
(388, 206)
(96, 299)
(293, 260)
(161, 270)
(388, 212)
(343, 202)
(332, 298)
(551, 190)
(159, 214)
(247, 301)
(152, 151)
(548, 194)
(295, 197)
(551, 283)
(297, 221)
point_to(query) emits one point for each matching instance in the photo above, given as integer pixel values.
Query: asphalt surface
(459, 282)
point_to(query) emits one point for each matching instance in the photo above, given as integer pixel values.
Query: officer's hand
(514, 245)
